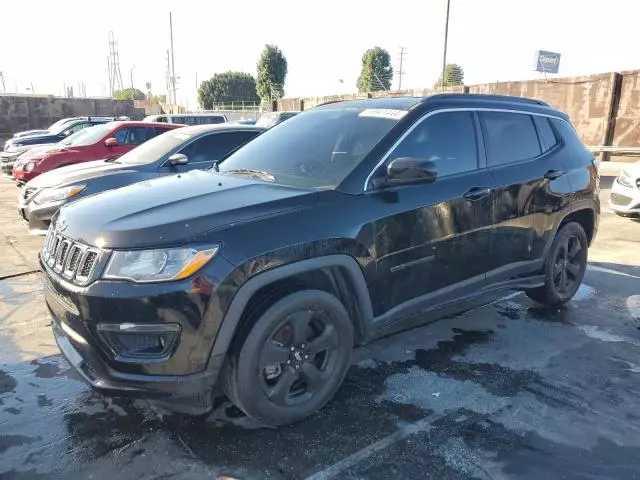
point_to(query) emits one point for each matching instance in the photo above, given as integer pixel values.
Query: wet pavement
(507, 390)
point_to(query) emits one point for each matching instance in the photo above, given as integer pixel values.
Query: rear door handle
(476, 193)
(551, 174)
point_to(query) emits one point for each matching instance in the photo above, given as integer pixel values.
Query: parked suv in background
(174, 152)
(189, 118)
(14, 147)
(103, 142)
(347, 222)
(625, 192)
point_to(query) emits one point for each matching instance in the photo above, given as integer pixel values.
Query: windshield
(152, 150)
(57, 125)
(78, 136)
(87, 136)
(316, 149)
(267, 120)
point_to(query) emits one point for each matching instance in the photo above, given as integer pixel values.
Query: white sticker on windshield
(390, 113)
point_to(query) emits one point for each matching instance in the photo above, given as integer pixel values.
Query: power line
(403, 52)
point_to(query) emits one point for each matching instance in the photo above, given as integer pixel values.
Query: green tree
(376, 73)
(125, 94)
(453, 75)
(226, 88)
(272, 72)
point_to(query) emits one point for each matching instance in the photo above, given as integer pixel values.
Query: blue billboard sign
(547, 62)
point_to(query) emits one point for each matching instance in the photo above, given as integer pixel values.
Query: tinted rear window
(509, 137)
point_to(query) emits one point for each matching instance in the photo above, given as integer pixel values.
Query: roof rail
(506, 98)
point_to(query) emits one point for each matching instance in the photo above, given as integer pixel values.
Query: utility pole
(444, 55)
(173, 64)
(168, 79)
(401, 72)
(133, 97)
(4, 87)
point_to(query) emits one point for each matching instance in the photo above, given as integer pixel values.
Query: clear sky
(52, 43)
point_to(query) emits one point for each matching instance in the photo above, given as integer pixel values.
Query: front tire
(293, 360)
(564, 267)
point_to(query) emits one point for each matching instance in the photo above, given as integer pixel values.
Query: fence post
(611, 112)
(302, 104)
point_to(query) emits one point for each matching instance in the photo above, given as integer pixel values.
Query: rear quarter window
(509, 137)
(547, 135)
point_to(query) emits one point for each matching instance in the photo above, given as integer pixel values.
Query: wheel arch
(337, 274)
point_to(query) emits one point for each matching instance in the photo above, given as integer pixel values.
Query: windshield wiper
(252, 173)
(110, 160)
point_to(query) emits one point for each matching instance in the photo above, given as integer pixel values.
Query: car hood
(36, 139)
(171, 210)
(78, 173)
(29, 133)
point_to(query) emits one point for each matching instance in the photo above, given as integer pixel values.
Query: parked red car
(107, 141)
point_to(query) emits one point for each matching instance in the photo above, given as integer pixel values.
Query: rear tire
(564, 266)
(293, 359)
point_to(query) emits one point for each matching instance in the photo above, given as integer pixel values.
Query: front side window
(509, 137)
(214, 146)
(447, 139)
(133, 135)
(315, 149)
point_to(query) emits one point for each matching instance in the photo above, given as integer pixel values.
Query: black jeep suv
(347, 222)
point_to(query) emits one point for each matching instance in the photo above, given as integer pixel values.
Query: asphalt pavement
(507, 390)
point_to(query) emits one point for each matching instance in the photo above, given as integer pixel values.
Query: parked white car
(625, 192)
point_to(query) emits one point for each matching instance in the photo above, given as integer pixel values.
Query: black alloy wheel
(565, 266)
(293, 359)
(298, 359)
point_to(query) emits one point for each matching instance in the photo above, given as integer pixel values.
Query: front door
(433, 242)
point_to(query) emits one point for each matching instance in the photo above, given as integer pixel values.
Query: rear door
(433, 240)
(524, 156)
(205, 150)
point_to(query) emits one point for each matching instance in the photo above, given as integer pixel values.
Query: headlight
(625, 179)
(56, 194)
(29, 166)
(161, 265)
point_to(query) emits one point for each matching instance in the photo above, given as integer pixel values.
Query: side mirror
(111, 142)
(405, 170)
(178, 159)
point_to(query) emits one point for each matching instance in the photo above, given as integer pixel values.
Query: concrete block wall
(605, 108)
(26, 112)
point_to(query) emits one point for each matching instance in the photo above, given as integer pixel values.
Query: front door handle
(552, 174)
(476, 193)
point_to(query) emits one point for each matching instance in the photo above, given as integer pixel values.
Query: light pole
(444, 55)
(133, 97)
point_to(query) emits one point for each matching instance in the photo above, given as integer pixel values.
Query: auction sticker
(389, 113)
